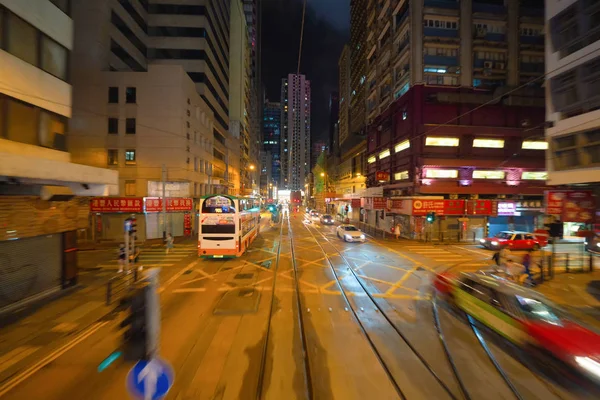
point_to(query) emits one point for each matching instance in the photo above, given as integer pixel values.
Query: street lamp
(252, 167)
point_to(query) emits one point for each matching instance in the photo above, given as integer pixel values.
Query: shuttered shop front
(29, 267)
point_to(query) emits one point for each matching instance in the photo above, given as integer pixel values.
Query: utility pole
(164, 200)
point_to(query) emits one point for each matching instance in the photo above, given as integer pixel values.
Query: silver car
(350, 233)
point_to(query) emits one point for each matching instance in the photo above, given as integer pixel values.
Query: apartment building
(43, 193)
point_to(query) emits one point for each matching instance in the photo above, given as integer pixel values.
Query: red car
(524, 317)
(514, 240)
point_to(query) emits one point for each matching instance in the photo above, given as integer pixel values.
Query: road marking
(447, 259)
(9, 385)
(472, 251)
(189, 290)
(177, 275)
(399, 284)
(16, 355)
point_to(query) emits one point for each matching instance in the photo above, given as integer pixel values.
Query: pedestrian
(527, 263)
(169, 241)
(397, 231)
(121, 257)
(496, 258)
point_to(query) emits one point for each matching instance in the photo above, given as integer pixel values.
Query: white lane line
(189, 290)
(473, 251)
(446, 259)
(177, 275)
(9, 385)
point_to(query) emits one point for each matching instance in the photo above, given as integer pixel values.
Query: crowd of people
(506, 263)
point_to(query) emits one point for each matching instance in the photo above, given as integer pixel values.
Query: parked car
(326, 219)
(350, 233)
(524, 317)
(514, 240)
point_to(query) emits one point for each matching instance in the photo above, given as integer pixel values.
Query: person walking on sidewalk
(527, 263)
(122, 257)
(397, 231)
(169, 241)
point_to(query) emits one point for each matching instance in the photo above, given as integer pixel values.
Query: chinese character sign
(554, 203)
(173, 204)
(579, 206)
(116, 205)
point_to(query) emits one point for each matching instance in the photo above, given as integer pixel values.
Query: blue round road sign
(150, 379)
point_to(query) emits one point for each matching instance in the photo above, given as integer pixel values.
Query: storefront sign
(116, 205)
(355, 203)
(154, 204)
(440, 207)
(579, 206)
(374, 203)
(382, 176)
(571, 205)
(507, 209)
(481, 207)
(187, 224)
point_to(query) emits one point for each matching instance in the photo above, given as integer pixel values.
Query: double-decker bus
(228, 225)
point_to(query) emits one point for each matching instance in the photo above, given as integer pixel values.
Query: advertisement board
(571, 205)
(440, 207)
(116, 205)
(154, 204)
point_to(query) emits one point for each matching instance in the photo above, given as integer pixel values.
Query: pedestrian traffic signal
(135, 340)
(430, 217)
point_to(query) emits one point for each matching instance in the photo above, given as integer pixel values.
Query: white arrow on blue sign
(150, 380)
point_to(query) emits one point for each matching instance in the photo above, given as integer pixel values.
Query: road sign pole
(153, 313)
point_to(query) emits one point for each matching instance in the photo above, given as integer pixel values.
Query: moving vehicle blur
(326, 219)
(350, 233)
(524, 317)
(514, 240)
(592, 244)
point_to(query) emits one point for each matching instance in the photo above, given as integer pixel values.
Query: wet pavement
(301, 314)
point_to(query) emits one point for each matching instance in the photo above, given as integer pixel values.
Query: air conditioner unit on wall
(488, 64)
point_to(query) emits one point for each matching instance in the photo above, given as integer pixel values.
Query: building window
(113, 94)
(400, 176)
(130, 126)
(130, 157)
(537, 176)
(130, 95)
(405, 144)
(371, 159)
(112, 157)
(52, 131)
(488, 174)
(384, 154)
(21, 40)
(442, 141)
(534, 145)
(113, 125)
(441, 173)
(489, 143)
(21, 122)
(54, 58)
(130, 188)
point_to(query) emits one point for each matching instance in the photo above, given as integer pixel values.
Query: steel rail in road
(382, 312)
(263, 362)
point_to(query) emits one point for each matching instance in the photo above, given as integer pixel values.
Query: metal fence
(119, 285)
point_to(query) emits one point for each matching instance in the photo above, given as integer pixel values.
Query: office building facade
(271, 135)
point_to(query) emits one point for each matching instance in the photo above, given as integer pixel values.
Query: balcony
(495, 37)
(451, 4)
(531, 67)
(440, 60)
(439, 32)
(488, 8)
(531, 12)
(537, 40)
(401, 19)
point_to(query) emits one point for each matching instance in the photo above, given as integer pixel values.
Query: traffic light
(135, 340)
(430, 217)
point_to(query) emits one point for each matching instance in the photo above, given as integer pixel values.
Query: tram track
(381, 311)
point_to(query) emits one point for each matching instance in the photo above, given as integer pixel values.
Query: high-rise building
(317, 147)
(358, 64)
(344, 94)
(44, 203)
(295, 133)
(334, 117)
(572, 92)
(272, 142)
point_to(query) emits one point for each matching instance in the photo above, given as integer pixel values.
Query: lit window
(537, 176)
(489, 143)
(371, 159)
(441, 141)
(402, 146)
(130, 157)
(534, 145)
(399, 176)
(384, 154)
(488, 174)
(441, 173)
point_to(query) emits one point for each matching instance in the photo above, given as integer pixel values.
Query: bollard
(474, 237)
(591, 260)
(567, 257)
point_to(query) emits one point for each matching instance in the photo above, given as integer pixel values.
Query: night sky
(326, 30)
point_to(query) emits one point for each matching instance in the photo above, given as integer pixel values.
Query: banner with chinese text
(154, 204)
(116, 205)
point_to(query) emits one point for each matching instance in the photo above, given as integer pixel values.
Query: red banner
(379, 203)
(554, 203)
(579, 206)
(355, 203)
(154, 204)
(394, 204)
(116, 205)
(187, 224)
(440, 207)
(382, 176)
(482, 207)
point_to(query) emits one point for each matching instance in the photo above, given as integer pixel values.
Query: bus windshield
(218, 205)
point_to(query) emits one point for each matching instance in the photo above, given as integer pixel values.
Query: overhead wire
(301, 36)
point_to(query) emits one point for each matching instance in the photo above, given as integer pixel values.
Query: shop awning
(23, 171)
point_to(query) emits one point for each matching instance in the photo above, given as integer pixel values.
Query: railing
(119, 285)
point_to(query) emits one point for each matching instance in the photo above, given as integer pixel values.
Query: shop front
(517, 216)
(576, 209)
(109, 215)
